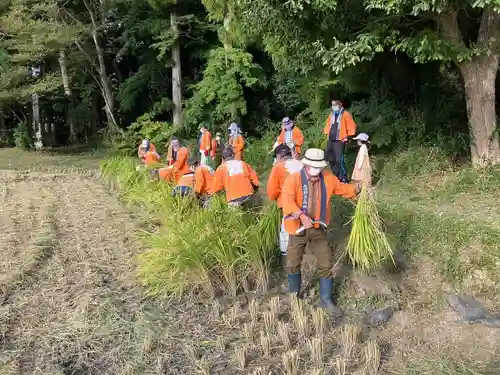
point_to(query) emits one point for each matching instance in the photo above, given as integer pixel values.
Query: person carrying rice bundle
(306, 209)
(236, 177)
(284, 166)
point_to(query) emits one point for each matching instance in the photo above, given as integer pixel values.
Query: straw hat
(315, 158)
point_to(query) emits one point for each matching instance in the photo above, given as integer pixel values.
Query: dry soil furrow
(83, 313)
(23, 214)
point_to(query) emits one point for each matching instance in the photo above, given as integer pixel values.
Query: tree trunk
(105, 85)
(69, 93)
(3, 130)
(37, 129)
(176, 72)
(227, 46)
(479, 77)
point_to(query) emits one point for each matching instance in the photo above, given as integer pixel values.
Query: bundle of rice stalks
(368, 246)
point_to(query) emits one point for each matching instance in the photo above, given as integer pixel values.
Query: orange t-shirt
(237, 178)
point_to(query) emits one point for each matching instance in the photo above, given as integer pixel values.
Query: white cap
(362, 137)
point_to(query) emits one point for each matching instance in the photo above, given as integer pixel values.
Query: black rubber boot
(325, 297)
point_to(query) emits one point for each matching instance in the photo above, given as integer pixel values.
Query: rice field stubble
(70, 304)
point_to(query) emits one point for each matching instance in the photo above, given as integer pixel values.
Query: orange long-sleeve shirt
(237, 178)
(347, 126)
(292, 197)
(238, 144)
(297, 138)
(141, 152)
(206, 141)
(277, 178)
(178, 168)
(151, 158)
(180, 165)
(203, 179)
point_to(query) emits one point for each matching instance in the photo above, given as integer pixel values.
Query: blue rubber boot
(325, 297)
(294, 283)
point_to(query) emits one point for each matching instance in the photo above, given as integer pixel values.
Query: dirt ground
(69, 304)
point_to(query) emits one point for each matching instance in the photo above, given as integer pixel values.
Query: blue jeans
(181, 191)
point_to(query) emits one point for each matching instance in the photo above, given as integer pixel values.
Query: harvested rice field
(70, 303)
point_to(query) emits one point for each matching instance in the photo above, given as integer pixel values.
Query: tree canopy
(412, 71)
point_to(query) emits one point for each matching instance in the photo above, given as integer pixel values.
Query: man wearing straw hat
(306, 210)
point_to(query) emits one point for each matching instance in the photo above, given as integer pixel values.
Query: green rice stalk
(368, 246)
(207, 251)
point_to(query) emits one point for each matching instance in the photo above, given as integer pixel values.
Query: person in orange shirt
(170, 152)
(216, 149)
(338, 127)
(147, 153)
(236, 177)
(179, 167)
(306, 208)
(285, 165)
(236, 141)
(203, 180)
(185, 185)
(291, 136)
(205, 145)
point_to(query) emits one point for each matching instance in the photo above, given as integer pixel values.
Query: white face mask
(313, 172)
(335, 108)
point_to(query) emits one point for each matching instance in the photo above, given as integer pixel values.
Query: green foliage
(219, 95)
(229, 246)
(157, 132)
(22, 136)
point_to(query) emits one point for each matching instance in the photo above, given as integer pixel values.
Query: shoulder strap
(322, 214)
(305, 190)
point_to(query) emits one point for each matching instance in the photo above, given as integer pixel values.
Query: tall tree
(176, 69)
(465, 33)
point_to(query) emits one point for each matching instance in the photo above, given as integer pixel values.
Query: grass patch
(434, 364)
(56, 159)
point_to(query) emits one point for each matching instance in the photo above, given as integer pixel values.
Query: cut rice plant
(284, 334)
(211, 250)
(368, 246)
(265, 234)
